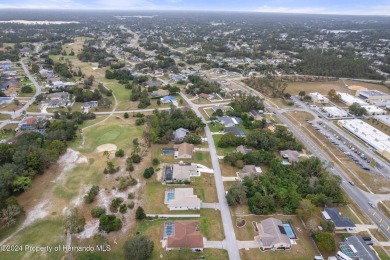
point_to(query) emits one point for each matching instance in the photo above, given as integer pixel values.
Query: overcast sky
(365, 7)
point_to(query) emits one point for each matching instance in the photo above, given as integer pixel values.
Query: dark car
(366, 238)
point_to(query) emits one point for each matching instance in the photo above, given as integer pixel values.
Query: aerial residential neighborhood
(188, 134)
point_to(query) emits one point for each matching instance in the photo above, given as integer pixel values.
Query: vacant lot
(323, 87)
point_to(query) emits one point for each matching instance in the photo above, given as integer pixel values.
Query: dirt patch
(356, 87)
(91, 228)
(106, 147)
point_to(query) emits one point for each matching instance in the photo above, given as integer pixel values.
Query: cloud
(48, 4)
(281, 9)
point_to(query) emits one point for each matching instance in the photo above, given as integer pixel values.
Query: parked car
(351, 182)
(371, 204)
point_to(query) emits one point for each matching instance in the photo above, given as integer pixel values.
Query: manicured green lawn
(119, 134)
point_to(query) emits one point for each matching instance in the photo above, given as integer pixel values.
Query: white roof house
(372, 136)
(182, 199)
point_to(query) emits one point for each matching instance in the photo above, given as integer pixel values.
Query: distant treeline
(345, 64)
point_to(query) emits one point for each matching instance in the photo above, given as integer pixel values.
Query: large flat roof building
(384, 119)
(335, 112)
(374, 110)
(349, 99)
(371, 95)
(319, 98)
(372, 136)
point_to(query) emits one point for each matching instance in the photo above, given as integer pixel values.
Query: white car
(371, 204)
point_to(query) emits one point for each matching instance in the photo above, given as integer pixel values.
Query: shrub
(123, 208)
(97, 212)
(92, 193)
(126, 115)
(27, 89)
(131, 195)
(131, 205)
(120, 153)
(148, 172)
(109, 223)
(155, 161)
(115, 204)
(140, 213)
(136, 158)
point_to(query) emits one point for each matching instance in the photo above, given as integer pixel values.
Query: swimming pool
(285, 163)
(289, 231)
(168, 151)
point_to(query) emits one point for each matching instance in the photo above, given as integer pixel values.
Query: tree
(333, 94)
(325, 242)
(126, 115)
(27, 89)
(193, 139)
(109, 223)
(105, 102)
(138, 248)
(307, 98)
(357, 109)
(21, 184)
(236, 194)
(34, 68)
(302, 93)
(140, 213)
(74, 222)
(120, 153)
(148, 172)
(305, 209)
(9, 214)
(327, 225)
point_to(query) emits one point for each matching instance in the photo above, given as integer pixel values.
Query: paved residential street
(230, 236)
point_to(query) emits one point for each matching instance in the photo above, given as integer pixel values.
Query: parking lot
(344, 146)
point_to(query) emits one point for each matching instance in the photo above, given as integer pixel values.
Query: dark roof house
(234, 130)
(339, 221)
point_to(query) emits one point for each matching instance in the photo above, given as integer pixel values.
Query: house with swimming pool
(273, 234)
(181, 199)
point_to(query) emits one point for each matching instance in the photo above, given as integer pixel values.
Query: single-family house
(257, 114)
(59, 96)
(168, 99)
(222, 108)
(180, 134)
(180, 172)
(243, 149)
(339, 221)
(153, 83)
(181, 199)
(355, 247)
(290, 155)
(207, 96)
(182, 234)
(234, 130)
(228, 121)
(183, 151)
(90, 104)
(272, 235)
(249, 171)
(32, 123)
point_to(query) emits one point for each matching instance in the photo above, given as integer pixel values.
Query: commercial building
(372, 136)
(349, 99)
(335, 112)
(384, 119)
(374, 110)
(318, 98)
(374, 97)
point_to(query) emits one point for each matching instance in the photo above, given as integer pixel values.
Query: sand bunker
(106, 147)
(356, 87)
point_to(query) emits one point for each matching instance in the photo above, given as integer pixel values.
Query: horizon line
(184, 10)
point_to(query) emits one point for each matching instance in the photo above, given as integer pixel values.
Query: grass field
(48, 232)
(323, 87)
(115, 130)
